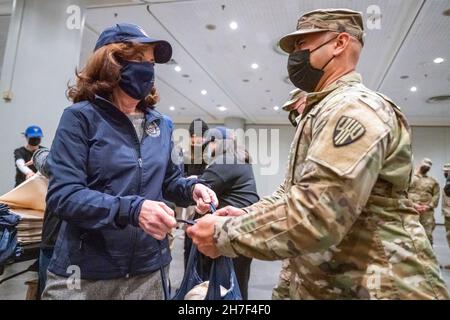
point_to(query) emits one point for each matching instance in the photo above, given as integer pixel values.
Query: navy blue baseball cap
(128, 32)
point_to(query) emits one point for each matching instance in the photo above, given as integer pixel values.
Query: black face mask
(424, 170)
(34, 141)
(302, 74)
(137, 78)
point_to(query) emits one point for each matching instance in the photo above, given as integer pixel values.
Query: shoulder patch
(347, 131)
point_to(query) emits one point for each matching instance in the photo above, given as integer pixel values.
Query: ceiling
(215, 58)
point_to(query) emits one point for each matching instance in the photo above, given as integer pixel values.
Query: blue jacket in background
(100, 175)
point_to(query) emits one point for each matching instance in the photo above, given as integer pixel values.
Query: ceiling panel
(228, 54)
(428, 39)
(217, 59)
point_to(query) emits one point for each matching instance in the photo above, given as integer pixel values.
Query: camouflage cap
(446, 167)
(294, 95)
(338, 20)
(426, 162)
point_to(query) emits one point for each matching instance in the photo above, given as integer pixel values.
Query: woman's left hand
(204, 196)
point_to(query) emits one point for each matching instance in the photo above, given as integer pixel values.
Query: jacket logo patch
(347, 131)
(152, 130)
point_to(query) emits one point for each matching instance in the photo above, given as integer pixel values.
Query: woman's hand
(156, 219)
(204, 196)
(230, 211)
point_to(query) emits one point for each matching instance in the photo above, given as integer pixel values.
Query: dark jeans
(44, 260)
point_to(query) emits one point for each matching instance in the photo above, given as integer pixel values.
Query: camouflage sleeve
(325, 200)
(268, 200)
(436, 194)
(445, 205)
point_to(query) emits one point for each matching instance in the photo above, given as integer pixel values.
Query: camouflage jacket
(424, 190)
(445, 205)
(342, 210)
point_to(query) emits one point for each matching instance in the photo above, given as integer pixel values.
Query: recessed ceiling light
(172, 108)
(222, 108)
(177, 68)
(413, 89)
(254, 66)
(276, 108)
(438, 60)
(233, 25)
(204, 92)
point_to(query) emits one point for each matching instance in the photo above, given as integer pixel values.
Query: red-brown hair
(101, 74)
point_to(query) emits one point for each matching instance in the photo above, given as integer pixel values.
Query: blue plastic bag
(8, 235)
(222, 274)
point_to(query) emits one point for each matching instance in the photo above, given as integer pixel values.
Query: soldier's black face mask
(424, 170)
(301, 73)
(34, 141)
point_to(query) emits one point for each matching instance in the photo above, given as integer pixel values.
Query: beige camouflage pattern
(446, 214)
(335, 20)
(342, 213)
(282, 289)
(425, 190)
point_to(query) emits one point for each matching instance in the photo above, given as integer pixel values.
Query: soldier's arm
(445, 205)
(436, 193)
(318, 211)
(268, 200)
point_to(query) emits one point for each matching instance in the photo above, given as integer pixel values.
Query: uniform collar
(419, 174)
(313, 98)
(150, 113)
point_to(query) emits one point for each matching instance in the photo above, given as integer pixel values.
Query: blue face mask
(137, 78)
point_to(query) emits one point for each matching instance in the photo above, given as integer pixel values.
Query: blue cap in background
(33, 132)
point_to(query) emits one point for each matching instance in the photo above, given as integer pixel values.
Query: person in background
(424, 192)
(22, 155)
(51, 223)
(446, 208)
(295, 106)
(110, 169)
(447, 186)
(230, 175)
(194, 165)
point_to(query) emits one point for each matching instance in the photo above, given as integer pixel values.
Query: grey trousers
(142, 287)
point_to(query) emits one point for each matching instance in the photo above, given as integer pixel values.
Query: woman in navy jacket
(110, 168)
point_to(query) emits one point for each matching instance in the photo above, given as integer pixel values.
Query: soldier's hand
(230, 211)
(202, 235)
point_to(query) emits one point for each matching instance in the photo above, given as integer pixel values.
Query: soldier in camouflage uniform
(424, 192)
(342, 214)
(446, 208)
